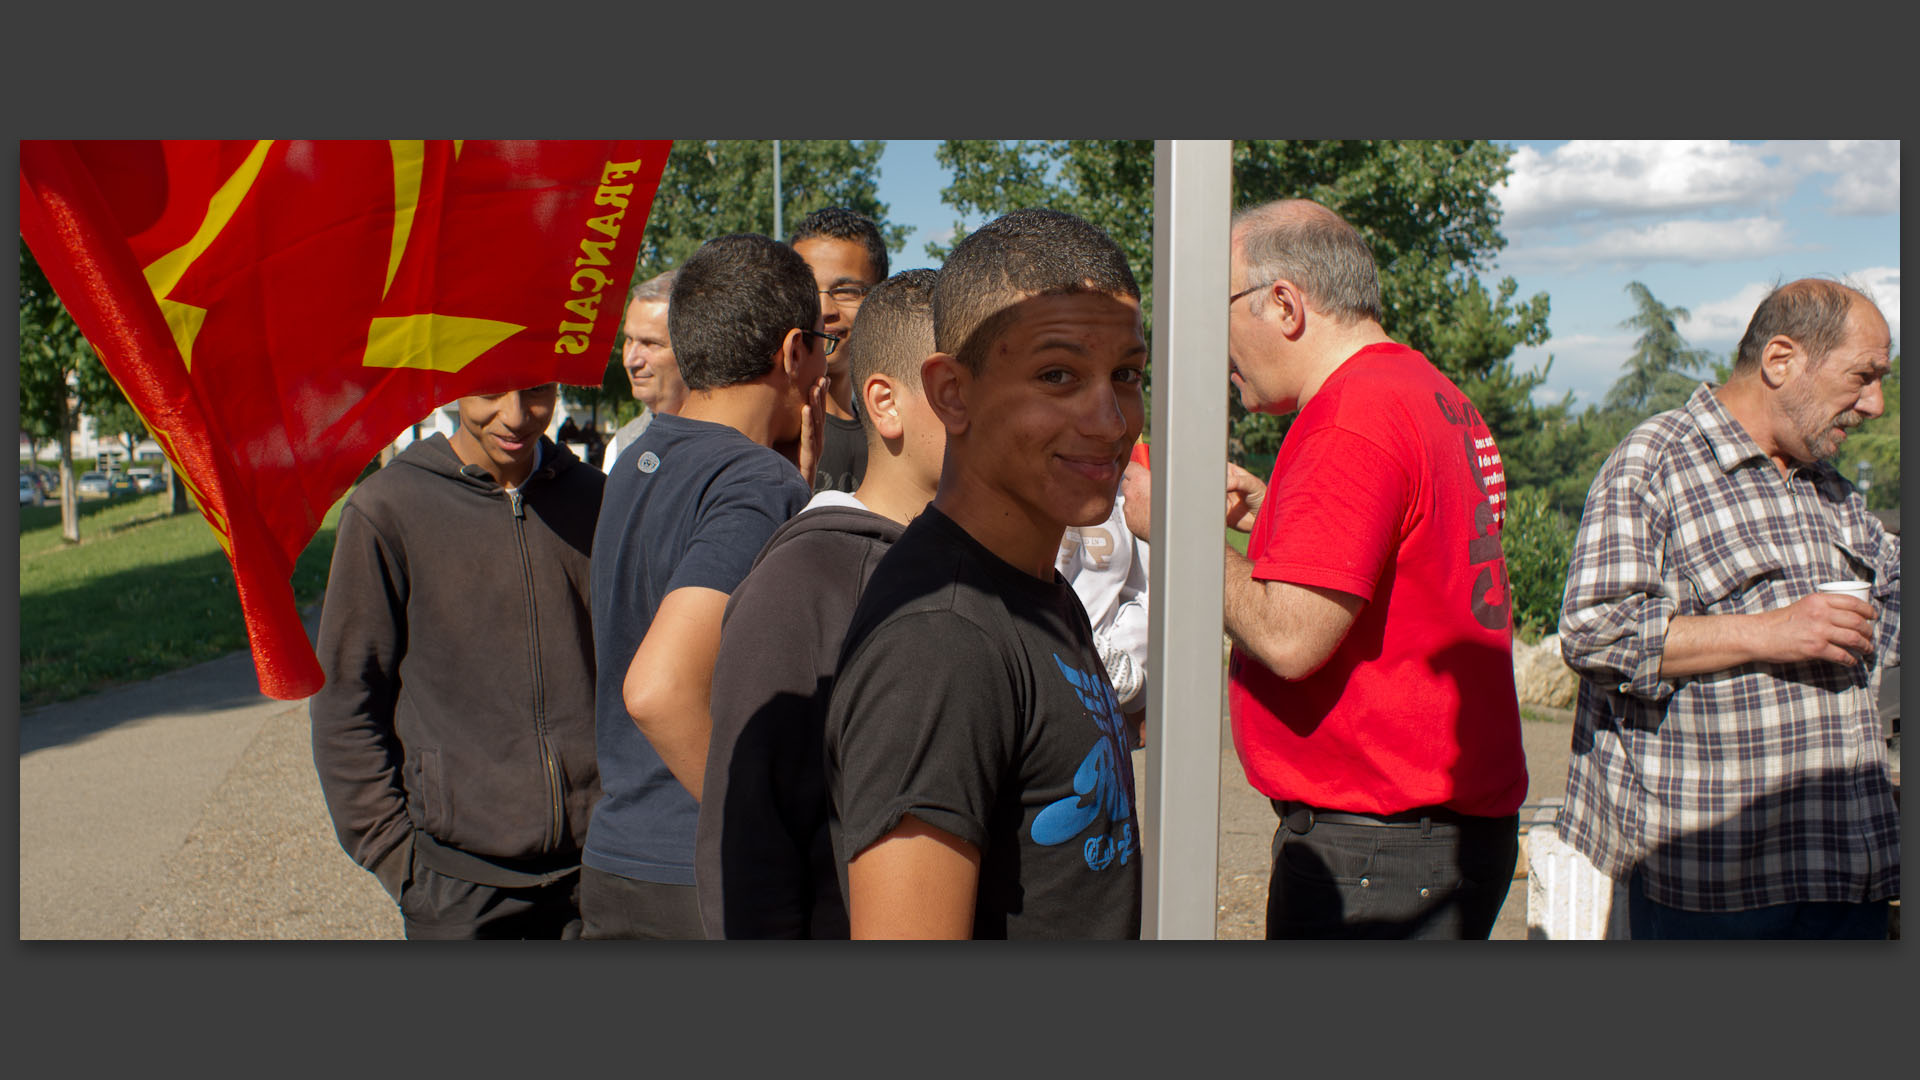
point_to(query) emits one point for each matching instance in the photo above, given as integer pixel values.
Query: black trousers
(615, 907)
(1447, 879)
(435, 907)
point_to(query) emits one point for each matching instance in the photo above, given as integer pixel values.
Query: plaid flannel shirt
(1757, 785)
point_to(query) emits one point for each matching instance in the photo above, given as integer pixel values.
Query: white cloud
(1602, 177)
(1866, 174)
(1586, 179)
(1725, 319)
(1685, 240)
(1883, 284)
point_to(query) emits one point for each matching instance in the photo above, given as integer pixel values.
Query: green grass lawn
(142, 593)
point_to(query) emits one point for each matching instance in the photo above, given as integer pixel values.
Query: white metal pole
(1191, 181)
(779, 231)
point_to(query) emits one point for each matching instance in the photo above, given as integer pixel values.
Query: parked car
(29, 491)
(93, 484)
(145, 481)
(120, 483)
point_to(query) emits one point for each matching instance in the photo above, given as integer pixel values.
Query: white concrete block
(1567, 899)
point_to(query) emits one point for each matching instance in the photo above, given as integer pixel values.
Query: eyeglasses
(832, 341)
(847, 293)
(1245, 291)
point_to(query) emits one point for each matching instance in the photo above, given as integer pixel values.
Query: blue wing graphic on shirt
(1101, 788)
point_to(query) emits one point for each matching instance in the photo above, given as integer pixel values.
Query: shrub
(1538, 541)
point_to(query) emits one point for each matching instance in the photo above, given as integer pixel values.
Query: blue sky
(1706, 225)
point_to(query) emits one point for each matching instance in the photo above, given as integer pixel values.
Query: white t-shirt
(1107, 567)
(832, 497)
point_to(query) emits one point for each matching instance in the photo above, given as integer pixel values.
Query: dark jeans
(435, 907)
(1446, 880)
(616, 907)
(1648, 919)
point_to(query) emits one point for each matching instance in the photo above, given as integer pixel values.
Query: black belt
(499, 873)
(1300, 818)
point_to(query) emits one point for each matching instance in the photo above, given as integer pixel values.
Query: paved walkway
(187, 807)
(183, 807)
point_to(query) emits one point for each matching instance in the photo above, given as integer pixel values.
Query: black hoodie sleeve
(355, 750)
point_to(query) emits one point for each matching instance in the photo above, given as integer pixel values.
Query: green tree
(51, 353)
(62, 378)
(113, 415)
(1876, 444)
(715, 187)
(1661, 372)
(1537, 539)
(1426, 209)
(1108, 182)
(1564, 455)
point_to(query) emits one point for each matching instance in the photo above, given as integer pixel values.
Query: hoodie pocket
(427, 786)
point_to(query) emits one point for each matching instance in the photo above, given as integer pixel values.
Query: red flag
(279, 311)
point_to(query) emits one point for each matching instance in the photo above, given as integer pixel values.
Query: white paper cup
(1856, 589)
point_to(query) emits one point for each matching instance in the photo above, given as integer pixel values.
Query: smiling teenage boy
(848, 257)
(976, 760)
(454, 735)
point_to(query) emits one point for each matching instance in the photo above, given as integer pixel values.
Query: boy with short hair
(848, 257)
(687, 508)
(763, 861)
(976, 760)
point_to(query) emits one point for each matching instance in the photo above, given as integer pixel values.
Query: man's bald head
(1812, 312)
(1301, 241)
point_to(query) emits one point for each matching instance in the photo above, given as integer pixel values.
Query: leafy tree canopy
(1661, 373)
(51, 348)
(1425, 207)
(1877, 443)
(61, 377)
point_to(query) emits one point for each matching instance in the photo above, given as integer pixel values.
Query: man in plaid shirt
(1728, 760)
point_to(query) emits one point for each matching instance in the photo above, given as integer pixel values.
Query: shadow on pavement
(215, 686)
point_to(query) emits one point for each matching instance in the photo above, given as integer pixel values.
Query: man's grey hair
(1813, 312)
(656, 289)
(1299, 240)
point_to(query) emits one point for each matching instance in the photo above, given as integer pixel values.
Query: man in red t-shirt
(1372, 677)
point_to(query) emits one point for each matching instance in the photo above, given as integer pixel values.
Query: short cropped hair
(1025, 254)
(1812, 311)
(732, 305)
(841, 223)
(1303, 242)
(656, 289)
(894, 333)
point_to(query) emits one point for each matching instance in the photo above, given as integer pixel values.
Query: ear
(1290, 307)
(879, 399)
(946, 381)
(1777, 358)
(792, 354)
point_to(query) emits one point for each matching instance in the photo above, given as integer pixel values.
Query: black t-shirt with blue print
(971, 696)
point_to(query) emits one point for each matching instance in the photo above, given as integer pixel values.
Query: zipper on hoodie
(551, 768)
